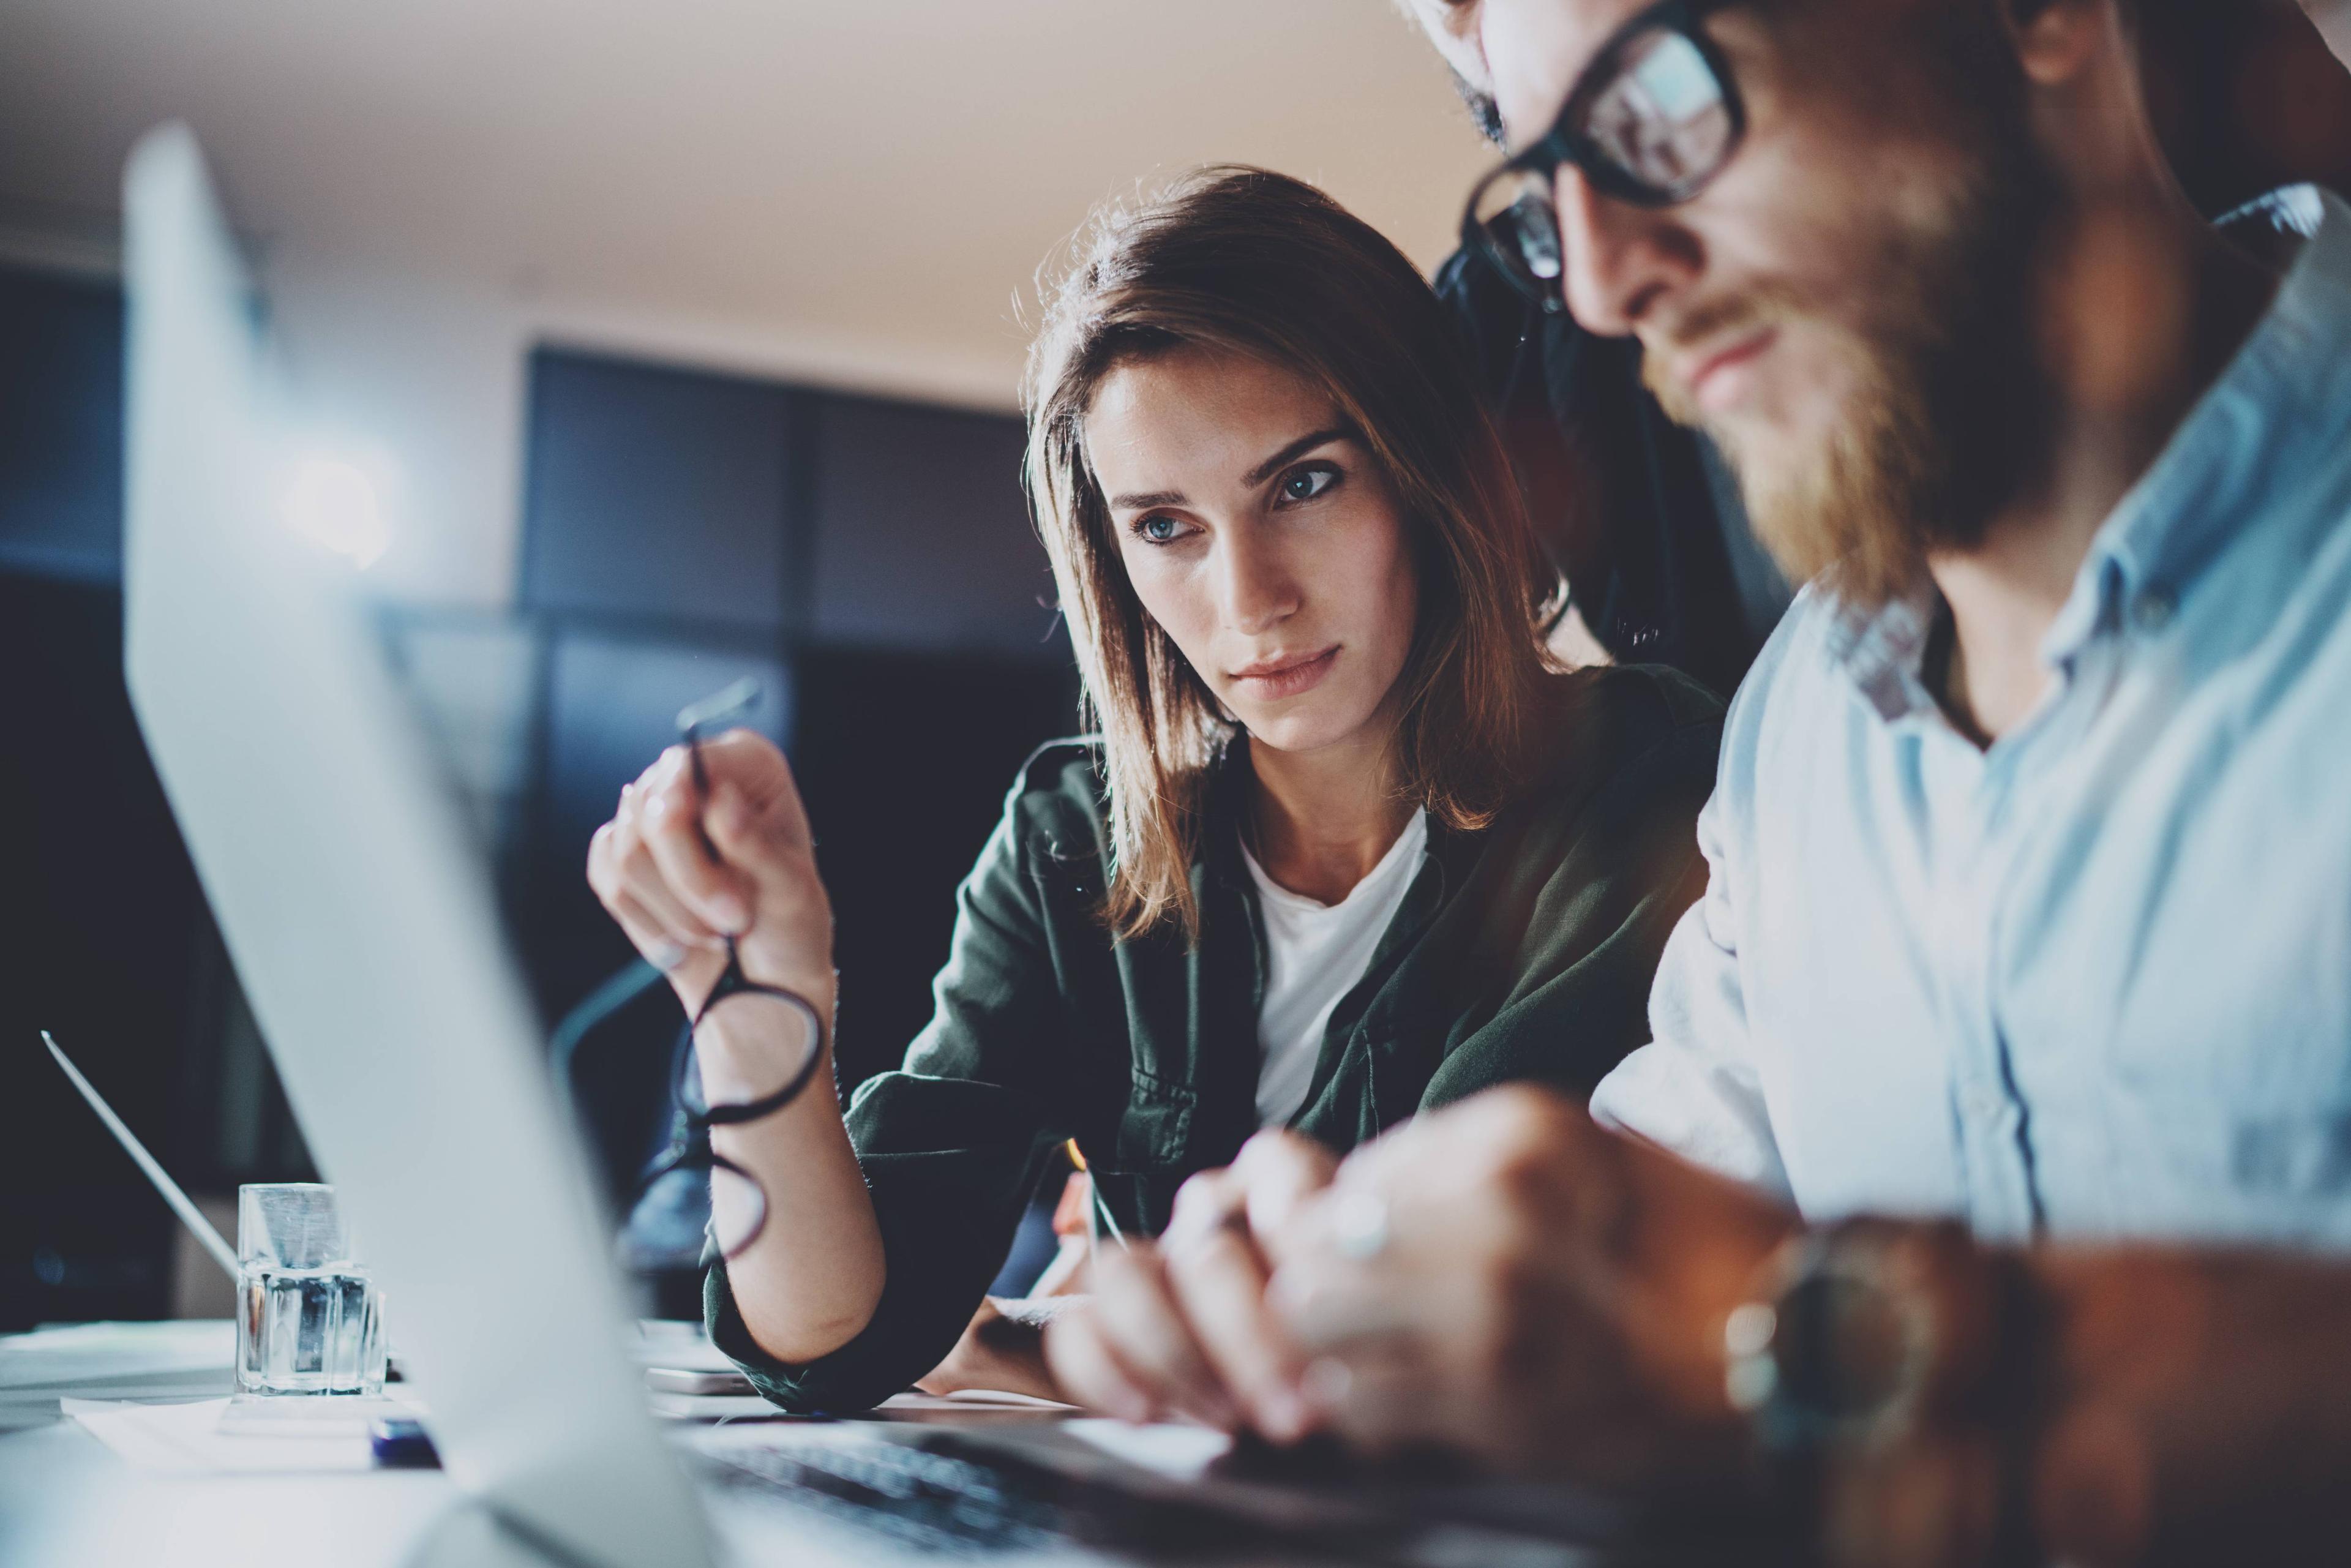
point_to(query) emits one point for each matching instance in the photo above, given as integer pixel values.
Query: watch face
(1848, 1348)
(1840, 1355)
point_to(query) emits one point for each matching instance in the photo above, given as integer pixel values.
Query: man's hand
(1182, 1328)
(1506, 1278)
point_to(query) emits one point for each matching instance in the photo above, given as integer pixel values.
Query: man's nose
(1617, 260)
(1259, 590)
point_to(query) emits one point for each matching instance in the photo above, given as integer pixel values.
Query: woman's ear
(2056, 39)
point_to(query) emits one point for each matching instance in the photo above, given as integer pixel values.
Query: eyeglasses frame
(690, 1147)
(1562, 143)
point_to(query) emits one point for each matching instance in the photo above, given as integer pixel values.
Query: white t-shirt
(1315, 953)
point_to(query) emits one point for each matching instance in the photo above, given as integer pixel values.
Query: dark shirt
(1638, 513)
(1522, 951)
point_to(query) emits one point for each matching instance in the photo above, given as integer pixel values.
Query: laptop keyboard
(951, 1506)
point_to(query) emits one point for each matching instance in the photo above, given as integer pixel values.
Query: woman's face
(1261, 536)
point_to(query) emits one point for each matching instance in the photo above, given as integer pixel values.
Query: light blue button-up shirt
(2095, 980)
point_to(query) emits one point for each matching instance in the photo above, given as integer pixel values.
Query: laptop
(361, 917)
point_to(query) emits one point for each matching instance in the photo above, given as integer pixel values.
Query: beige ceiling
(879, 177)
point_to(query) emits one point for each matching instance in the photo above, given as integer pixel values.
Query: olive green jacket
(1523, 951)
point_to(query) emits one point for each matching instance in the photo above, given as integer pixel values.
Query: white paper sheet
(1177, 1451)
(188, 1439)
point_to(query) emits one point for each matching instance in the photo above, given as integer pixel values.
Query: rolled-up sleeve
(1694, 1087)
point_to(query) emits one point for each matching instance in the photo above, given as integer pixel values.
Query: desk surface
(65, 1501)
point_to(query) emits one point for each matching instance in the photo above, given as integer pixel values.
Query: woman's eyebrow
(1146, 498)
(1298, 448)
(1254, 477)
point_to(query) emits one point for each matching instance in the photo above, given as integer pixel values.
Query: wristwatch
(1840, 1342)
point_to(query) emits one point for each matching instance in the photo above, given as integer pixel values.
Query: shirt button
(2153, 611)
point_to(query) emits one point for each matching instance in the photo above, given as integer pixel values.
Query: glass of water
(309, 1319)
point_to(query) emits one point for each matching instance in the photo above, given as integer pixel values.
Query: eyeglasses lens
(1665, 118)
(1522, 228)
(738, 1210)
(670, 1222)
(749, 1047)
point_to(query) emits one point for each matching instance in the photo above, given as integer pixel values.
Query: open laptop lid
(362, 925)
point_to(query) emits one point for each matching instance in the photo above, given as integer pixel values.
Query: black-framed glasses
(749, 1051)
(1655, 117)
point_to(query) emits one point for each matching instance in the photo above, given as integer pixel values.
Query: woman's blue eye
(1158, 530)
(1308, 483)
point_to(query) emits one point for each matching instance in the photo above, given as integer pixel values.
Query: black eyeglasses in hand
(749, 1051)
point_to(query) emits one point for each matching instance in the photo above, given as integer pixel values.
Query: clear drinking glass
(309, 1318)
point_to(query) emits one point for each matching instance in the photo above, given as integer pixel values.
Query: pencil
(1099, 1207)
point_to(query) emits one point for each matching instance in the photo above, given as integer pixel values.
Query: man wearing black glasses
(2028, 919)
(1640, 514)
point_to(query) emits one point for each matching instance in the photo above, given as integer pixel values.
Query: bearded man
(1992, 1160)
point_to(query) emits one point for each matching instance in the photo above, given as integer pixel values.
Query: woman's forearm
(809, 1282)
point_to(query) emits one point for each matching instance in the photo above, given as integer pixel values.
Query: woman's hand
(1181, 1328)
(651, 867)
(810, 1279)
(1002, 1349)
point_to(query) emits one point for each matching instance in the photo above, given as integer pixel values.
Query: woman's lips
(1276, 679)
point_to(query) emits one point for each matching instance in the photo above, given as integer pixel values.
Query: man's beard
(1946, 416)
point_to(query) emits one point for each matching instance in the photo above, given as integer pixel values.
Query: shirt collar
(2252, 423)
(2287, 392)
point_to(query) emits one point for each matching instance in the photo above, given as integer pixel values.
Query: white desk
(68, 1501)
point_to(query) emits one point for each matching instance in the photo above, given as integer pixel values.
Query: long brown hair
(1243, 260)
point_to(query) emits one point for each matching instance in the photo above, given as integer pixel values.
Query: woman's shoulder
(1603, 722)
(1059, 801)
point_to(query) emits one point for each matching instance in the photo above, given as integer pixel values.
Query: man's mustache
(1673, 344)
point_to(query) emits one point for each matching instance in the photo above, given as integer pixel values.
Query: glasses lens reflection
(1665, 118)
(1521, 229)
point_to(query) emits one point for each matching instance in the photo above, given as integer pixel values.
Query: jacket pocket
(1155, 1130)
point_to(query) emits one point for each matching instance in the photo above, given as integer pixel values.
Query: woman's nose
(1258, 588)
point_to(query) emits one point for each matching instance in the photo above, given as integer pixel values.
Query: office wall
(868, 558)
(870, 562)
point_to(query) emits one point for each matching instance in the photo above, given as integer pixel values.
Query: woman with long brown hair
(1343, 847)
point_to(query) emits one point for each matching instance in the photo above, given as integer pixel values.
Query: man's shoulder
(1598, 723)
(1797, 682)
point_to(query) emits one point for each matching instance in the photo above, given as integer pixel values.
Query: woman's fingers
(1149, 1335)
(750, 763)
(645, 934)
(670, 820)
(641, 878)
(1090, 1371)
